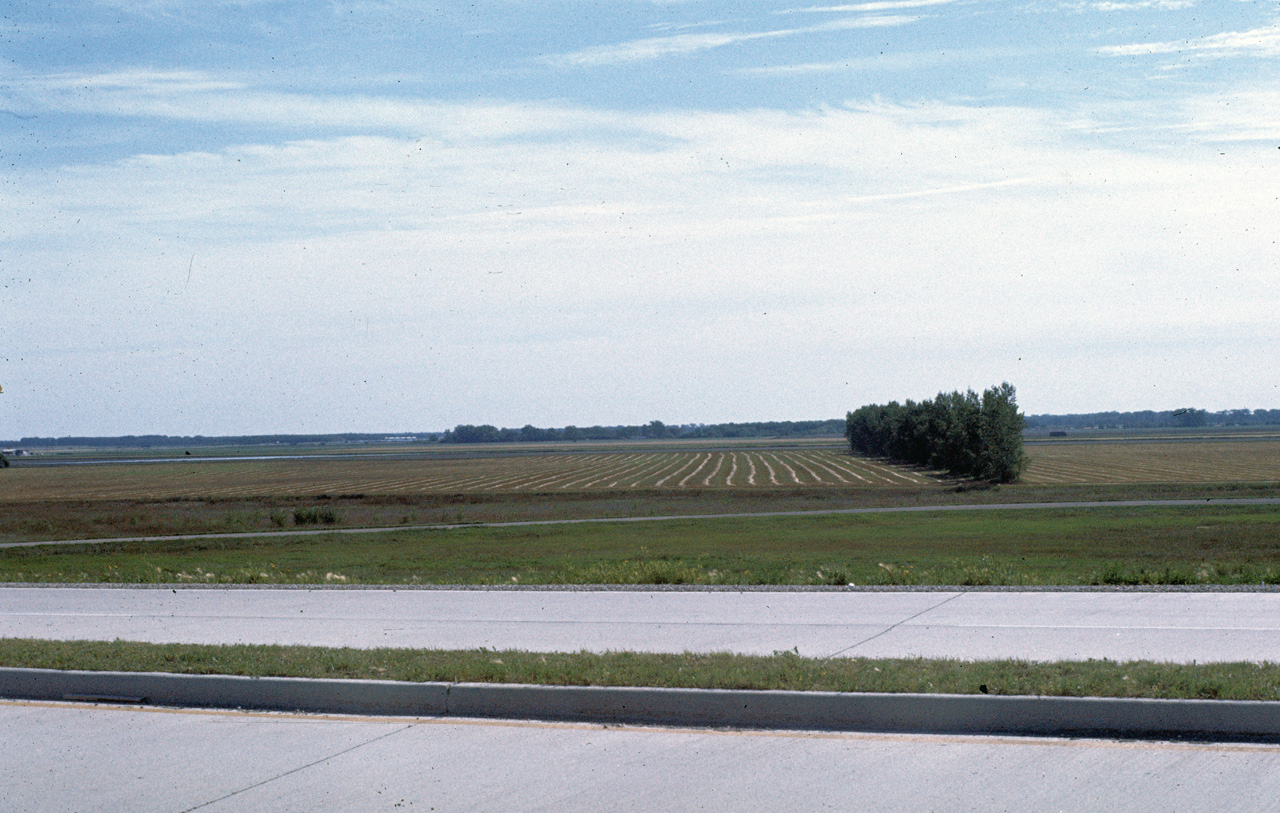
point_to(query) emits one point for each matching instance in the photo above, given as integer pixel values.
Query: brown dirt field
(545, 473)
(1161, 462)
(1100, 463)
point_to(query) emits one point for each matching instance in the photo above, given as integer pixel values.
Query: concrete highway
(87, 758)
(1040, 625)
(69, 756)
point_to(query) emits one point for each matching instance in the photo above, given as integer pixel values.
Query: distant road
(1021, 506)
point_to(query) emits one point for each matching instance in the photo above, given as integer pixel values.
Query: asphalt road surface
(1120, 625)
(87, 758)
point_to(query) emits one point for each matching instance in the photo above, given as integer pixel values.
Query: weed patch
(316, 516)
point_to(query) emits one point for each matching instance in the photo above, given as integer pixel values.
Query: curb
(1222, 720)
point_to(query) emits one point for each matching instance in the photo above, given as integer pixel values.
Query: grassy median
(1205, 544)
(783, 670)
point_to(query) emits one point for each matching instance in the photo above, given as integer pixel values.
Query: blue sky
(234, 217)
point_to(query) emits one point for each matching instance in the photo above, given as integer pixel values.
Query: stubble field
(569, 473)
(561, 473)
(1217, 461)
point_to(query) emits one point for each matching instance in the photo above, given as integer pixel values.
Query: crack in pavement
(893, 627)
(299, 768)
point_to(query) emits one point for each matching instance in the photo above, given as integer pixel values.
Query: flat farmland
(562, 473)
(1201, 544)
(1101, 463)
(647, 470)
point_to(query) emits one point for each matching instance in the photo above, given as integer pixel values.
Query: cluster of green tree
(487, 433)
(162, 441)
(962, 433)
(1149, 419)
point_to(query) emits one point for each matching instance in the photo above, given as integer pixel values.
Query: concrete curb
(1223, 720)
(227, 691)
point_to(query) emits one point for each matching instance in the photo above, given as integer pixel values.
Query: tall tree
(1001, 459)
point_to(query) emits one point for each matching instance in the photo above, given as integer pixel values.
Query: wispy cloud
(1171, 5)
(1263, 41)
(150, 82)
(950, 190)
(657, 47)
(1245, 115)
(196, 96)
(829, 229)
(880, 5)
(903, 61)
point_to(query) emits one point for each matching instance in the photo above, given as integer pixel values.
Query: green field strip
(1035, 545)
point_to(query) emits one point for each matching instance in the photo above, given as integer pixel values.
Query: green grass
(22, 521)
(1226, 681)
(1194, 545)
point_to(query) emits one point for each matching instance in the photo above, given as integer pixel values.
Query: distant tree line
(1149, 419)
(964, 434)
(466, 433)
(185, 441)
(487, 433)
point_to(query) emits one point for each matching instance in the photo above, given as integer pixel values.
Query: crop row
(568, 473)
(1256, 461)
(555, 473)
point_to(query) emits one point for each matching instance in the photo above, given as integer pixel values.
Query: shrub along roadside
(316, 516)
(782, 670)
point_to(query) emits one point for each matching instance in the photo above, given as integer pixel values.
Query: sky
(242, 217)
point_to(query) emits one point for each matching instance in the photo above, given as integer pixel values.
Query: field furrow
(570, 472)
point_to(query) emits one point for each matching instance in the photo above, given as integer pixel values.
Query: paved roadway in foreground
(1016, 506)
(1121, 625)
(86, 758)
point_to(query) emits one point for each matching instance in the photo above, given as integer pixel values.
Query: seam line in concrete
(890, 629)
(355, 747)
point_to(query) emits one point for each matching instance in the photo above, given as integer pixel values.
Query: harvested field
(1160, 462)
(651, 470)
(563, 473)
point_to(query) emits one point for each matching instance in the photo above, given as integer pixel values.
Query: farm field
(562, 473)
(643, 470)
(1162, 462)
(465, 485)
